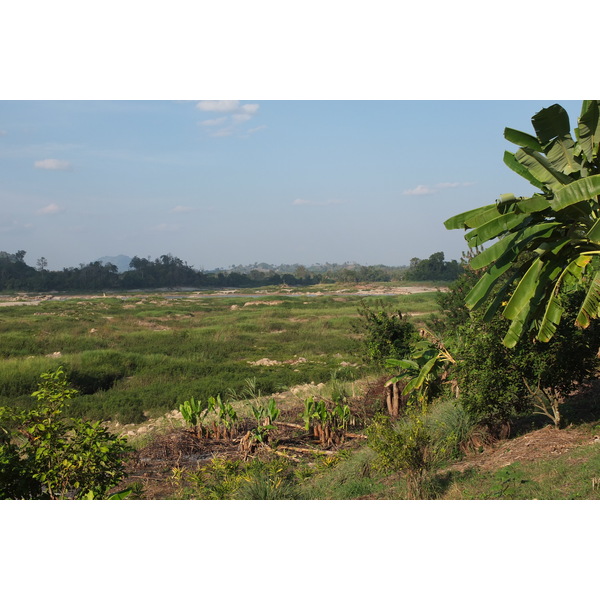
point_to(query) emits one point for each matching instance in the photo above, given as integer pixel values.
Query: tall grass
(136, 356)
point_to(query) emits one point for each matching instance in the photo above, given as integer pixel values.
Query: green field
(137, 356)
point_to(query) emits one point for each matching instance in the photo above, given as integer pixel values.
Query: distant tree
(434, 268)
(42, 263)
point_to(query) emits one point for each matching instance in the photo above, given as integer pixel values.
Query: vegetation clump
(45, 456)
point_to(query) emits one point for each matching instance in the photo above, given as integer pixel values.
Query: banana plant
(265, 416)
(427, 366)
(327, 425)
(225, 417)
(546, 244)
(193, 413)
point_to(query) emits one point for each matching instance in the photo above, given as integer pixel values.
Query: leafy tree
(556, 231)
(45, 456)
(434, 268)
(385, 334)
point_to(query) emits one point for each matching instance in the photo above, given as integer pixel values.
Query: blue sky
(227, 182)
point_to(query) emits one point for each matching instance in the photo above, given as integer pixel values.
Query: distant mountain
(121, 261)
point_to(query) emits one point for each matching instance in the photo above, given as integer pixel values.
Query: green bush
(385, 334)
(408, 445)
(496, 382)
(43, 455)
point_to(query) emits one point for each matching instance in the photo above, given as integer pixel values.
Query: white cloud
(250, 109)
(425, 190)
(420, 190)
(219, 105)
(237, 114)
(52, 164)
(50, 209)
(223, 132)
(255, 129)
(213, 122)
(12, 226)
(241, 117)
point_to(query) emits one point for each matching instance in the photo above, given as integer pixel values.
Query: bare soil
(543, 443)
(170, 446)
(362, 290)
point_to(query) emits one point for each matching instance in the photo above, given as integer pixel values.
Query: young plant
(265, 415)
(225, 418)
(56, 458)
(406, 446)
(193, 413)
(328, 425)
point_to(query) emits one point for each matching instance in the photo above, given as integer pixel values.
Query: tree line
(168, 271)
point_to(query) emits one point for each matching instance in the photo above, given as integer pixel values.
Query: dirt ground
(170, 446)
(536, 445)
(362, 290)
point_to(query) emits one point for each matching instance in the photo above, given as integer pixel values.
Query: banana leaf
(550, 123)
(581, 190)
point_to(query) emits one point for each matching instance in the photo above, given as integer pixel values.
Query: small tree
(45, 456)
(386, 335)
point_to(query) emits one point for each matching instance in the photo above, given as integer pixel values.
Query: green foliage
(345, 476)
(328, 421)
(406, 445)
(497, 382)
(426, 369)
(265, 415)
(490, 375)
(452, 303)
(149, 354)
(47, 456)
(434, 268)
(223, 479)
(385, 334)
(547, 243)
(224, 417)
(452, 428)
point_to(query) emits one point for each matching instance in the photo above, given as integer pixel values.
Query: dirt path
(543, 443)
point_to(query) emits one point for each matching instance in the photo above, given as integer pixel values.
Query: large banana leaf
(551, 122)
(515, 330)
(472, 218)
(589, 130)
(525, 290)
(561, 153)
(590, 307)
(512, 163)
(581, 190)
(509, 242)
(541, 168)
(522, 139)
(494, 228)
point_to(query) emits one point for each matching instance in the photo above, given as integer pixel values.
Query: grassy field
(142, 355)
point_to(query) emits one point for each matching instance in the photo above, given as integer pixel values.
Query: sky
(223, 182)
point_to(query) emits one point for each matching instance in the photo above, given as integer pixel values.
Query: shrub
(385, 334)
(406, 445)
(44, 455)
(497, 382)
